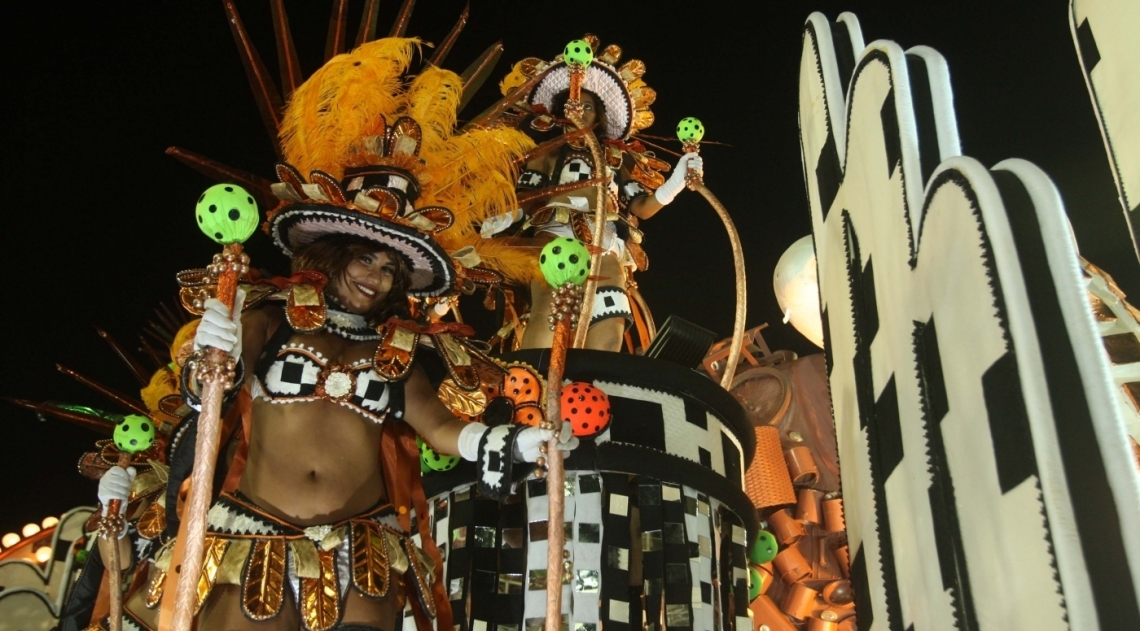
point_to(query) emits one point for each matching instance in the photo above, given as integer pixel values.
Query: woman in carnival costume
(616, 102)
(313, 528)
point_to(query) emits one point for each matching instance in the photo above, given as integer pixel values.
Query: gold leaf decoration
(212, 560)
(370, 568)
(611, 55)
(264, 582)
(152, 522)
(155, 589)
(320, 597)
(462, 403)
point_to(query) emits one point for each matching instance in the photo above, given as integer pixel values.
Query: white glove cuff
(665, 194)
(469, 438)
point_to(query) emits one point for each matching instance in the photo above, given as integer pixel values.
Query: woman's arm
(427, 415)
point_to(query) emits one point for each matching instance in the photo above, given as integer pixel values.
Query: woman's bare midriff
(312, 463)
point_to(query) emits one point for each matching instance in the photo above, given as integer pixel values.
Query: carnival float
(334, 447)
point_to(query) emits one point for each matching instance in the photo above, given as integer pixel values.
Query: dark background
(97, 220)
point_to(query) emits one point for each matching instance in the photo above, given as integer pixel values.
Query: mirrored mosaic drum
(657, 522)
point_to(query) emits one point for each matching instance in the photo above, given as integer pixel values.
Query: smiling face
(365, 282)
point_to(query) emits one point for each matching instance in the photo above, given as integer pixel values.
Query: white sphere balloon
(797, 289)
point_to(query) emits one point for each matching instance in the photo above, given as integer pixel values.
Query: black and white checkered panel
(702, 557)
(610, 302)
(530, 180)
(615, 603)
(1104, 32)
(450, 533)
(985, 478)
(575, 170)
(671, 423)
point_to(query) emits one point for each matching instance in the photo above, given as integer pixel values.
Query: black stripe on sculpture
(1094, 506)
(944, 509)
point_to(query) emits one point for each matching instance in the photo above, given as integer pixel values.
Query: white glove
(526, 443)
(530, 439)
(668, 191)
(219, 328)
(116, 485)
(499, 223)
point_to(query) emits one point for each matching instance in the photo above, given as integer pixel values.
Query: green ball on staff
(755, 584)
(690, 129)
(579, 52)
(134, 433)
(565, 259)
(227, 213)
(764, 550)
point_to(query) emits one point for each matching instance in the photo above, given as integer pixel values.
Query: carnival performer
(317, 534)
(615, 101)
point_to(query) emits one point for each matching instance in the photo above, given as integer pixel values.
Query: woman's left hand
(529, 440)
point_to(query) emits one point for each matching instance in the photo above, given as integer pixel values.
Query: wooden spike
(367, 31)
(476, 74)
(334, 43)
(553, 144)
(90, 421)
(169, 318)
(264, 92)
(402, 19)
(445, 46)
(259, 187)
(550, 191)
(160, 332)
(487, 116)
(131, 361)
(290, 67)
(151, 351)
(133, 405)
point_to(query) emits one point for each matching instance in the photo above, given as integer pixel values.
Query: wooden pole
(215, 373)
(555, 477)
(110, 528)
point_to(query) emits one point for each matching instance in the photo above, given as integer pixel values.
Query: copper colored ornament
(765, 612)
(844, 557)
(801, 466)
(818, 624)
(808, 507)
(766, 576)
(792, 565)
(788, 530)
(833, 521)
(838, 593)
(767, 481)
(799, 601)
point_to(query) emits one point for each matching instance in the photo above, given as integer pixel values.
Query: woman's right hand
(116, 485)
(219, 328)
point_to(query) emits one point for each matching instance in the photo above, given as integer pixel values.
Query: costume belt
(579, 220)
(248, 547)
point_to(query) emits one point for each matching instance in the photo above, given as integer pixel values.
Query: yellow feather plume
(343, 102)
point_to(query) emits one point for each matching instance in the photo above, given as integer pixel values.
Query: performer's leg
(538, 333)
(606, 335)
(222, 612)
(366, 614)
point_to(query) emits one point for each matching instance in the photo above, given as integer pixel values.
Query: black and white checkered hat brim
(601, 79)
(298, 225)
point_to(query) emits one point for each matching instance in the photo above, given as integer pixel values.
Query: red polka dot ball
(586, 408)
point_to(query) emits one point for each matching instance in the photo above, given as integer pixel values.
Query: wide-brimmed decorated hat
(373, 201)
(623, 93)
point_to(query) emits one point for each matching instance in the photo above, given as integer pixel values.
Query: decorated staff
(133, 434)
(578, 56)
(690, 131)
(228, 215)
(565, 263)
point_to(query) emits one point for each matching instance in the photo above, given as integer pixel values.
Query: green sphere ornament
(580, 52)
(765, 548)
(563, 260)
(81, 556)
(755, 584)
(134, 433)
(690, 129)
(433, 460)
(227, 213)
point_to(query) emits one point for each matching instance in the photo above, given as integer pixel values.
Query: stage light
(10, 540)
(50, 522)
(30, 529)
(797, 289)
(43, 555)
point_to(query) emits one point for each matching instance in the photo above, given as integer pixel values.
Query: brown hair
(331, 254)
(558, 105)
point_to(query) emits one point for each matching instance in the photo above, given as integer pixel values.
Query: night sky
(98, 220)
